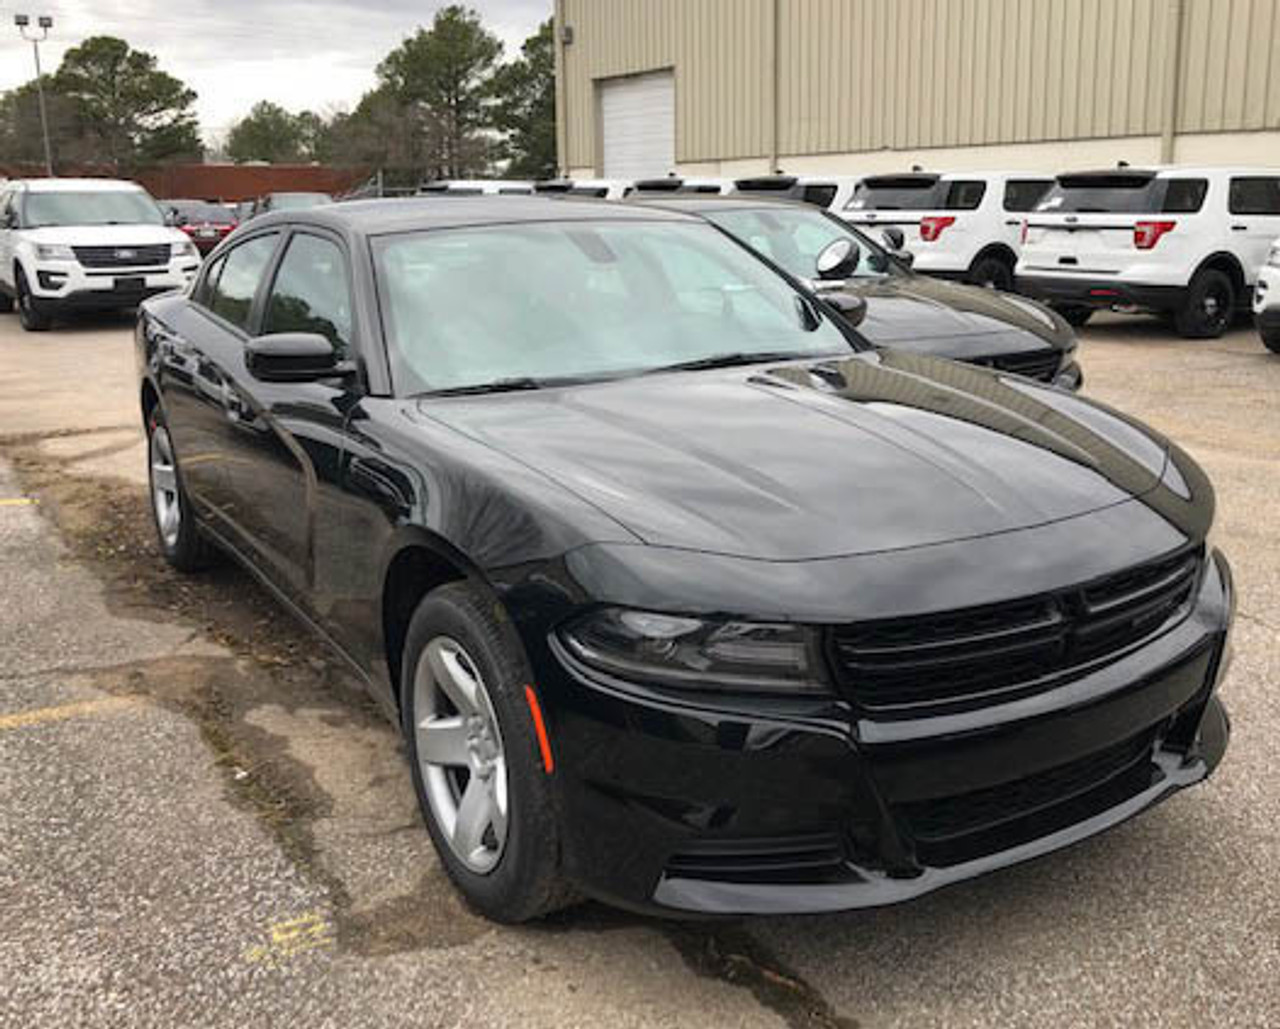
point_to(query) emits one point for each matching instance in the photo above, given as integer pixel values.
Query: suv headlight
(698, 654)
(185, 249)
(54, 252)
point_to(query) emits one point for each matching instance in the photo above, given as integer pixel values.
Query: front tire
(1208, 308)
(32, 317)
(1271, 339)
(181, 542)
(484, 792)
(993, 273)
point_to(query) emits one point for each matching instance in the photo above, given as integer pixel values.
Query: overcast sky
(317, 54)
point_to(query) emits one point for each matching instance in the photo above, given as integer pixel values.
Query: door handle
(1239, 228)
(1013, 221)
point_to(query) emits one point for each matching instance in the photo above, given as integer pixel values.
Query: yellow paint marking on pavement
(43, 715)
(292, 937)
(17, 501)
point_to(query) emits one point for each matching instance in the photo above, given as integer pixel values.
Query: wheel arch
(419, 563)
(1226, 262)
(1002, 251)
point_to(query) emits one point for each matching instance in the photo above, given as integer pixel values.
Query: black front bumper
(98, 299)
(1099, 293)
(772, 807)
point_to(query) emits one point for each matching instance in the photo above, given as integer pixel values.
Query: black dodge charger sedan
(684, 596)
(917, 313)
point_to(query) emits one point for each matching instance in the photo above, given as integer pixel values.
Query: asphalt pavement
(204, 823)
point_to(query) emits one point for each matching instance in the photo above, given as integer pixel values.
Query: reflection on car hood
(879, 451)
(914, 309)
(104, 235)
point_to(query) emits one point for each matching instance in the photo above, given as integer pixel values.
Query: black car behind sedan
(684, 597)
(904, 310)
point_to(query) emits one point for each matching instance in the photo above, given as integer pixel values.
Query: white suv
(959, 225)
(1186, 242)
(85, 243)
(1266, 300)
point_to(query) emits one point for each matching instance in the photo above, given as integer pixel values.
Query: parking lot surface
(205, 823)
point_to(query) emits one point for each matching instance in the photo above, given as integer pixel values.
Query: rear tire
(1076, 317)
(181, 542)
(468, 727)
(1208, 308)
(32, 317)
(992, 272)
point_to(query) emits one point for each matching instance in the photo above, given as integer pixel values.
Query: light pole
(44, 23)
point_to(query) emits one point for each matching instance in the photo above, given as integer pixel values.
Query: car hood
(879, 451)
(105, 235)
(914, 311)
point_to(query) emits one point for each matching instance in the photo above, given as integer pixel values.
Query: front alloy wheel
(460, 751)
(181, 541)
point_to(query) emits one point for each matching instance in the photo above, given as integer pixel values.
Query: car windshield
(90, 207)
(297, 201)
(793, 239)
(525, 304)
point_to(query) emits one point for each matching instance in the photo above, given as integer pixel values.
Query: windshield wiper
(731, 360)
(512, 384)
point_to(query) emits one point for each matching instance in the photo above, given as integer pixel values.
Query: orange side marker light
(540, 727)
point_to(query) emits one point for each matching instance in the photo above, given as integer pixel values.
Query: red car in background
(206, 223)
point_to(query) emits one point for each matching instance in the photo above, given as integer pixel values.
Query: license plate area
(130, 283)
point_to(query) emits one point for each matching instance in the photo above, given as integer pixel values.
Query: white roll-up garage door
(638, 124)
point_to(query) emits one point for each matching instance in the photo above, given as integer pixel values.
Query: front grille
(949, 830)
(983, 655)
(794, 859)
(123, 256)
(1035, 364)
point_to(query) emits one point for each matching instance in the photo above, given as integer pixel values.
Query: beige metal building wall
(857, 77)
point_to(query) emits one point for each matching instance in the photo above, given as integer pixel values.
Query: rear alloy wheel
(181, 543)
(993, 273)
(1209, 306)
(479, 768)
(32, 317)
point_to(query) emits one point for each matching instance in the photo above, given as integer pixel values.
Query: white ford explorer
(1185, 242)
(91, 244)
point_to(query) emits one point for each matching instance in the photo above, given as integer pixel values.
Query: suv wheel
(476, 758)
(181, 542)
(1209, 306)
(992, 272)
(32, 317)
(6, 303)
(1076, 317)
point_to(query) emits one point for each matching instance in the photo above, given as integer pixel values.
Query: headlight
(692, 653)
(185, 249)
(54, 252)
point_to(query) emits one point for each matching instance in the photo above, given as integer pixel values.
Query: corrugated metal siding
(869, 74)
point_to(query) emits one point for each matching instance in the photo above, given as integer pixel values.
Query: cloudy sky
(317, 54)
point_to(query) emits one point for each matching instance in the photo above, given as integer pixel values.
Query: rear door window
(1024, 194)
(1254, 194)
(232, 295)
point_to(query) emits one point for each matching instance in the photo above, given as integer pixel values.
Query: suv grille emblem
(125, 255)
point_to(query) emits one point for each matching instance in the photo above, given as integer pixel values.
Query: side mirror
(852, 307)
(894, 238)
(838, 260)
(294, 357)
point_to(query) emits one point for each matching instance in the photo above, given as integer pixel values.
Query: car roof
(695, 203)
(415, 214)
(78, 185)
